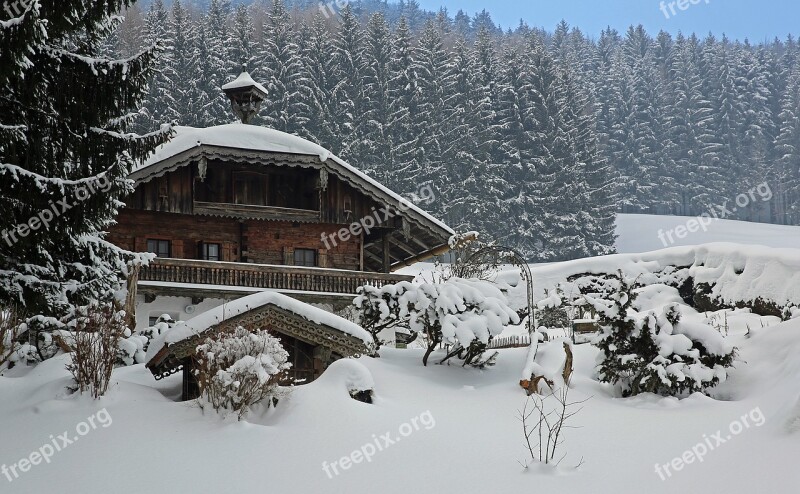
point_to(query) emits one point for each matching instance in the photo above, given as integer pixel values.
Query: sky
(755, 20)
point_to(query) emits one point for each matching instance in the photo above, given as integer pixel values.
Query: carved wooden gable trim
(281, 321)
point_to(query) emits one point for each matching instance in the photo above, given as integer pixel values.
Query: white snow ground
(155, 445)
(466, 438)
(640, 233)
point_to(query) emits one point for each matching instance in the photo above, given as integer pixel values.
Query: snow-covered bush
(133, 347)
(791, 312)
(464, 263)
(464, 314)
(654, 351)
(163, 324)
(378, 309)
(551, 312)
(131, 350)
(38, 333)
(11, 325)
(94, 345)
(239, 369)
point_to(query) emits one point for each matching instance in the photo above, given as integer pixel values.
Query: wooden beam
(361, 253)
(373, 257)
(387, 260)
(407, 248)
(436, 251)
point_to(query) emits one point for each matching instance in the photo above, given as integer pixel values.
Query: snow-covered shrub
(94, 344)
(550, 311)
(24, 353)
(378, 309)
(131, 350)
(654, 351)
(464, 314)
(163, 324)
(133, 347)
(465, 264)
(11, 325)
(239, 369)
(39, 334)
(791, 312)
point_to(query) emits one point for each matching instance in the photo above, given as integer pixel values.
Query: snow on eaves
(234, 135)
(257, 138)
(204, 321)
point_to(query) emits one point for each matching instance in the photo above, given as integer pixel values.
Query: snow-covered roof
(244, 80)
(234, 135)
(203, 322)
(262, 139)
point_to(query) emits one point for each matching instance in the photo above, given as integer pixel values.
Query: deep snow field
(450, 429)
(640, 233)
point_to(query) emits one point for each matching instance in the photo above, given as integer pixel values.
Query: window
(161, 248)
(210, 252)
(250, 188)
(305, 257)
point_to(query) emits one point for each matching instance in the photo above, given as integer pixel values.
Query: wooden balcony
(243, 277)
(247, 211)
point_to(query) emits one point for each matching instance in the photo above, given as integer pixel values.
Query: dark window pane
(160, 248)
(305, 257)
(211, 252)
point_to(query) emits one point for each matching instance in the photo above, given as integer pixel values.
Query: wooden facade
(258, 217)
(254, 219)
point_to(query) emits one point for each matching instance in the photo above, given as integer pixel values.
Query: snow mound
(737, 272)
(348, 375)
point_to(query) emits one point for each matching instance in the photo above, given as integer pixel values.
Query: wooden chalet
(237, 209)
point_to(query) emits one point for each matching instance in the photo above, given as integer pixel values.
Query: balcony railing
(245, 275)
(247, 211)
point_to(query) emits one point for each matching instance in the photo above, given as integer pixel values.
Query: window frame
(159, 242)
(204, 251)
(303, 259)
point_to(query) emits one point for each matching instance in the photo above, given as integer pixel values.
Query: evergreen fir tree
(182, 84)
(349, 95)
(65, 154)
(159, 105)
(377, 98)
(286, 107)
(318, 53)
(403, 100)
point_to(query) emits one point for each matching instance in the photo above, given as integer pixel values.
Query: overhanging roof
(263, 146)
(275, 311)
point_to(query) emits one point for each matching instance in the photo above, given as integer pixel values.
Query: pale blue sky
(739, 19)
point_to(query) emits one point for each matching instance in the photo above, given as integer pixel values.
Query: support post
(387, 261)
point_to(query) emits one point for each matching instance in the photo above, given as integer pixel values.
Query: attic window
(250, 188)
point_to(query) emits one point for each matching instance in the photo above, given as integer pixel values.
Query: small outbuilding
(313, 337)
